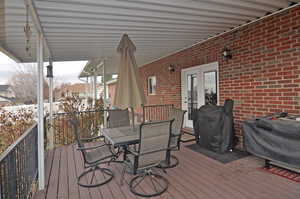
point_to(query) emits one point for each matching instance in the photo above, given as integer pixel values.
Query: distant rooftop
(11, 99)
(4, 87)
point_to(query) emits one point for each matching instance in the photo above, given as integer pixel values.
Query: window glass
(192, 94)
(210, 87)
(152, 85)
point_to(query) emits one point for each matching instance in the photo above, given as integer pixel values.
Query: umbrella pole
(132, 115)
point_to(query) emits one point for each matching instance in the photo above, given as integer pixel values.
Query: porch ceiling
(83, 30)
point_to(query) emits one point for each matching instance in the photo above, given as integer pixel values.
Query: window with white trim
(151, 85)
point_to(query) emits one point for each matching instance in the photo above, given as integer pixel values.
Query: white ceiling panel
(89, 29)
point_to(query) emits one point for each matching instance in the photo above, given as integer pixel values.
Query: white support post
(41, 166)
(51, 133)
(104, 92)
(94, 89)
(104, 82)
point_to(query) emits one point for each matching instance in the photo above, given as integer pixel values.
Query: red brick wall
(262, 76)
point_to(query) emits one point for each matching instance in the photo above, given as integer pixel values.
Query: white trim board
(199, 70)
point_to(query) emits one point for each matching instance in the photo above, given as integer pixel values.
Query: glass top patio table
(121, 136)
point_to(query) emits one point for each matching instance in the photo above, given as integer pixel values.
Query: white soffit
(12, 36)
(84, 30)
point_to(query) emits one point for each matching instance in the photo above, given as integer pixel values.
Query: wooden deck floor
(196, 177)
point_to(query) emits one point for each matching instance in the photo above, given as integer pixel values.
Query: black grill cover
(213, 126)
(277, 140)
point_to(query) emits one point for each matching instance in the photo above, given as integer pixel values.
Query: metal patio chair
(94, 154)
(118, 118)
(178, 116)
(152, 150)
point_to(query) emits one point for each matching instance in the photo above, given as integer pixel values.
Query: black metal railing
(19, 166)
(62, 131)
(156, 112)
(91, 120)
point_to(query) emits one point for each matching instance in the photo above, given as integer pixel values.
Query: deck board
(73, 187)
(84, 192)
(63, 187)
(52, 187)
(195, 177)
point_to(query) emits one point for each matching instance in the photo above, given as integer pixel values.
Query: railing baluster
(156, 112)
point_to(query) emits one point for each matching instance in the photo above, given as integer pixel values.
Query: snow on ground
(33, 107)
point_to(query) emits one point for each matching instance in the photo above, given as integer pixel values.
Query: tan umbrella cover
(129, 90)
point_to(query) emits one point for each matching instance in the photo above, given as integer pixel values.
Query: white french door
(199, 86)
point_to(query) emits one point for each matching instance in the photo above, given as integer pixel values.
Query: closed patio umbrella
(129, 91)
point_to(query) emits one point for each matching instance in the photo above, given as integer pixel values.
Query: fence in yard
(19, 166)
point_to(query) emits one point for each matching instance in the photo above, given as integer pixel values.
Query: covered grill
(213, 126)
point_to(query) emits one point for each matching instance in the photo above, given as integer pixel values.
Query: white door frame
(200, 70)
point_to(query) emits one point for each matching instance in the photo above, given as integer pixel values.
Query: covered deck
(197, 176)
(71, 30)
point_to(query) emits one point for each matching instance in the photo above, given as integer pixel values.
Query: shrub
(13, 125)
(89, 116)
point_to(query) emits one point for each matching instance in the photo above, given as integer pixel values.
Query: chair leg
(83, 179)
(171, 162)
(157, 184)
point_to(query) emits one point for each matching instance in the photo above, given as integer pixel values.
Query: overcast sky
(64, 72)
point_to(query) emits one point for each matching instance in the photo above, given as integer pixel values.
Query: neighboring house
(262, 74)
(111, 90)
(81, 90)
(69, 90)
(6, 91)
(5, 101)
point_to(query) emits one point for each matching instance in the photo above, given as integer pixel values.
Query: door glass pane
(192, 94)
(210, 87)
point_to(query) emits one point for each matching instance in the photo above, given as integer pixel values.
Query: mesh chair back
(118, 118)
(75, 124)
(178, 116)
(154, 142)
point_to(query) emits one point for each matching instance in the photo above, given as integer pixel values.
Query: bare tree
(24, 84)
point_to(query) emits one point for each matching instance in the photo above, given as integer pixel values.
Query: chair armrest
(91, 147)
(92, 138)
(158, 150)
(133, 152)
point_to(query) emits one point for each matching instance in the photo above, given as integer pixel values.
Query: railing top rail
(155, 105)
(20, 139)
(90, 111)
(78, 112)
